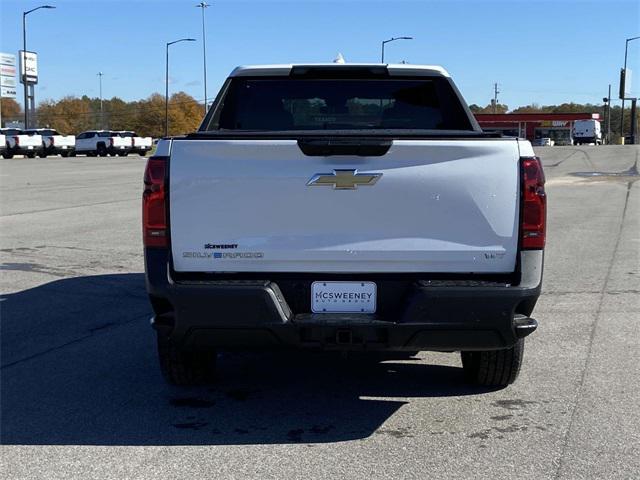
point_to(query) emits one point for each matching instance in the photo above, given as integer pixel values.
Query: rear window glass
(42, 132)
(279, 104)
(126, 134)
(10, 131)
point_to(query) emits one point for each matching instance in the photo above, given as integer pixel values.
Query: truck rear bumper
(55, 150)
(416, 314)
(140, 149)
(25, 150)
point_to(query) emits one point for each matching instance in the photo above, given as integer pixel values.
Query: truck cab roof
(391, 69)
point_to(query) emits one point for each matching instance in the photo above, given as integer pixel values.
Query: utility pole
(204, 5)
(495, 97)
(609, 117)
(101, 111)
(633, 121)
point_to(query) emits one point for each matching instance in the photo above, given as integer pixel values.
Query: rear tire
(7, 153)
(102, 150)
(493, 368)
(65, 154)
(31, 155)
(143, 153)
(185, 367)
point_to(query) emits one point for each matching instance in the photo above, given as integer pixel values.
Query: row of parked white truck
(47, 141)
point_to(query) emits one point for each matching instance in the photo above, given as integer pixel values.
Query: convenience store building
(557, 126)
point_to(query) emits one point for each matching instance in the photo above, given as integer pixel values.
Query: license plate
(64, 147)
(121, 148)
(343, 297)
(30, 147)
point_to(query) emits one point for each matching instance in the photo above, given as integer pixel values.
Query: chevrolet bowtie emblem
(344, 179)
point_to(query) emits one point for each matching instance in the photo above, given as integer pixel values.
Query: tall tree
(11, 110)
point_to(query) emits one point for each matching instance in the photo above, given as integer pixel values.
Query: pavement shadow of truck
(79, 367)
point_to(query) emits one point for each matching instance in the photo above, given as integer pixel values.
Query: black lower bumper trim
(412, 315)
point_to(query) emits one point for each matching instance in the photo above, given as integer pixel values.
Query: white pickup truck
(140, 145)
(18, 142)
(347, 207)
(102, 143)
(54, 143)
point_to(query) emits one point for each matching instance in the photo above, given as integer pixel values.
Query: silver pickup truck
(347, 207)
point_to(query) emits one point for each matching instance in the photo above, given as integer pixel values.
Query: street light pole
(393, 39)
(204, 5)
(24, 52)
(166, 91)
(101, 111)
(626, 47)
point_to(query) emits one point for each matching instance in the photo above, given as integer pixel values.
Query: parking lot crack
(92, 333)
(67, 208)
(592, 334)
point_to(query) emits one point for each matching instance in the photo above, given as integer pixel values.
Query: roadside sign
(7, 75)
(28, 67)
(8, 92)
(625, 83)
(7, 59)
(7, 81)
(554, 123)
(7, 70)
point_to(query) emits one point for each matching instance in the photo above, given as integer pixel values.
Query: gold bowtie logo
(344, 179)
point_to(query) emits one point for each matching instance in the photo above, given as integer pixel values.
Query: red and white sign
(7, 70)
(7, 75)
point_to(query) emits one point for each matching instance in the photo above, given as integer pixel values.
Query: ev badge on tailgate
(344, 179)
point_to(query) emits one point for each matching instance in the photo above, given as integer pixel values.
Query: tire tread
(497, 368)
(185, 367)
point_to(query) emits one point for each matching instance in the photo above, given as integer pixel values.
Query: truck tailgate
(30, 140)
(64, 141)
(437, 206)
(141, 141)
(118, 141)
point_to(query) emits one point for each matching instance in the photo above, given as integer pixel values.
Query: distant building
(556, 126)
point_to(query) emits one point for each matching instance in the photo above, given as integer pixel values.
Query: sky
(538, 52)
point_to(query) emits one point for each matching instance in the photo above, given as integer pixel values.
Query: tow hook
(524, 325)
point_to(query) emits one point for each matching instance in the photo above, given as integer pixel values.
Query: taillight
(154, 219)
(534, 204)
(17, 139)
(111, 141)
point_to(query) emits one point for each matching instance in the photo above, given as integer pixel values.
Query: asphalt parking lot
(82, 397)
